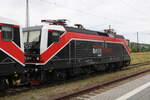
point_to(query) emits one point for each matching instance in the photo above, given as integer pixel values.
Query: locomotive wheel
(87, 70)
(115, 66)
(119, 65)
(126, 63)
(99, 67)
(10, 81)
(59, 75)
(108, 68)
(3, 85)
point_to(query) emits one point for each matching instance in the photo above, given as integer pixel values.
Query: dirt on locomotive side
(53, 90)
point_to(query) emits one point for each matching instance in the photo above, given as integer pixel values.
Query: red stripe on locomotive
(11, 49)
(54, 48)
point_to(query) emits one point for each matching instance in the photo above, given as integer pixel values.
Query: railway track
(15, 91)
(67, 96)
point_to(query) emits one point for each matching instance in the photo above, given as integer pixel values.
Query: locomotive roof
(80, 30)
(7, 21)
(31, 28)
(54, 27)
(120, 36)
(74, 29)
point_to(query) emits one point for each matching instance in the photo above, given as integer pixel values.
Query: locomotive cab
(37, 39)
(32, 43)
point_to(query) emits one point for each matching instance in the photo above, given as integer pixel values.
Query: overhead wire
(80, 11)
(85, 12)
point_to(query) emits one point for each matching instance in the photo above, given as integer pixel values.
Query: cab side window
(53, 36)
(7, 33)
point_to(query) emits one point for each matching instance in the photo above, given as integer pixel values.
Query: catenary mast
(27, 14)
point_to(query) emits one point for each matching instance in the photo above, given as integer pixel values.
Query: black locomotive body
(81, 52)
(61, 50)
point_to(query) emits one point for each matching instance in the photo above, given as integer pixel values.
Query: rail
(66, 96)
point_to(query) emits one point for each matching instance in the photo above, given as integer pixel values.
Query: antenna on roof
(110, 30)
(61, 22)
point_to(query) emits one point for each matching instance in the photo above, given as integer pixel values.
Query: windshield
(7, 33)
(31, 36)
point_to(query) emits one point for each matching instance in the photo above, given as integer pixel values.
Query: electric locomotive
(56, 49)
(11, 52)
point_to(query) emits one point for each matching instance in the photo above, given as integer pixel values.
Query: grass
(140, 57)
(40, 94)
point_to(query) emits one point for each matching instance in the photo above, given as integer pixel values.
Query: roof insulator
(61, 22)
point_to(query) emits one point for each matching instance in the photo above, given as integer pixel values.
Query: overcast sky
(126, 16)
